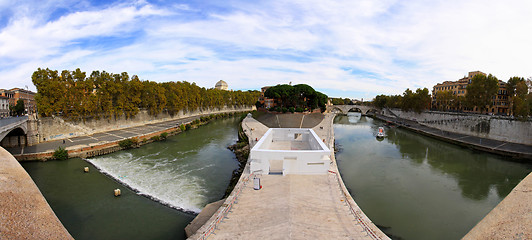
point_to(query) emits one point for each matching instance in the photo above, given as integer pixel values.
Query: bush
(127, 143)
(197, 121)
(284, 110)
(188, 126)
(163, 135)
(60, 154)
(155, 138)
(299, 109)
(291, 109)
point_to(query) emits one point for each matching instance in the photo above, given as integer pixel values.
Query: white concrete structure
(290, 151)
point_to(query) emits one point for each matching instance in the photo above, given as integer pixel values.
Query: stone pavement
(24, 213)
(515, 150)
(291, 206)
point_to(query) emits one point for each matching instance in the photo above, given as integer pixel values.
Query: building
(290, 151)
(4, 107)
(27, 96)
(221, 85)
(266, 102)
(15, 94)
(459, 89)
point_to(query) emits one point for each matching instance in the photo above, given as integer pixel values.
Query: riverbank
(24, 212)
(516, 151)
(108, 142)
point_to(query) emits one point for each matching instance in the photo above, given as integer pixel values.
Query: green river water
(416, 187)
(411, 186)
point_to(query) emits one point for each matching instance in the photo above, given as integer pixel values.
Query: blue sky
(353, 48)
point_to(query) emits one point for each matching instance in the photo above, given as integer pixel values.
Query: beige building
(459, 89)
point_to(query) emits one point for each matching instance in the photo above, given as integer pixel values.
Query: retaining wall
(55, 128)
(485, 126)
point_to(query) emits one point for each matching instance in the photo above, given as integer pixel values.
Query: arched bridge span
(344, 109)
(12, 130)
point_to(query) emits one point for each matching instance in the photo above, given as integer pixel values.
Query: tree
(19, 107)
(512, 84)
(444, 100)
(481, 90)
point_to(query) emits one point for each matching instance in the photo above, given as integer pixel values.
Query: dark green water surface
(416, 187)
(185, 172)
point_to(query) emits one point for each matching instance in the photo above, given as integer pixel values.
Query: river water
(411, 186)
(416, 187)
(184, 172)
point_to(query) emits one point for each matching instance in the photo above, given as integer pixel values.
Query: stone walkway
(24, 213)
(291, 206)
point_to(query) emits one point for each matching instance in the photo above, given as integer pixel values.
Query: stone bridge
(13, 131)
(344, 109)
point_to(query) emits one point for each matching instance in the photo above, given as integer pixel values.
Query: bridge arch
(16, 137)
(344, 109)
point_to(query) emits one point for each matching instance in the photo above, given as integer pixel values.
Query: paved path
(102, 137)
(24, 213)
(291, 206)
(505, 148)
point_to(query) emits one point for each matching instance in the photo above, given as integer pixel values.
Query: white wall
(294, 161)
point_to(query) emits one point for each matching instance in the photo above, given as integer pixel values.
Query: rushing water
(416, 187)
(185, 172)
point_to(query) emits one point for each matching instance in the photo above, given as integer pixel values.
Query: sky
(353, 48)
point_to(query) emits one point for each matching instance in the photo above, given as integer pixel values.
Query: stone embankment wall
(491, 127)
(55, 128)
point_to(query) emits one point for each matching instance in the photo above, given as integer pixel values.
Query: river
(416, 187)
(184, 173)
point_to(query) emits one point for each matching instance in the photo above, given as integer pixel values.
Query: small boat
(380, 133)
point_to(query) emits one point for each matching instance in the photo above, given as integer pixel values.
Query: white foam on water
(161, 179)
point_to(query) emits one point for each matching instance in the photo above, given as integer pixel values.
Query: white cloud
(401, 44)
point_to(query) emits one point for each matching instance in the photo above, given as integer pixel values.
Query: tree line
(75, 95)
(410, 101)
(297, 96)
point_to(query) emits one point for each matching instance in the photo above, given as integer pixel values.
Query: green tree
(481, 90)
(19, 107)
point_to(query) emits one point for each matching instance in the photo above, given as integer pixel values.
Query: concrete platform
(291, 207)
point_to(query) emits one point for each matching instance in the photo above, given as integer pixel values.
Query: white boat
(380, 133)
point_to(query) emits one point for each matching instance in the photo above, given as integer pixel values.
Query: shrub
(188, 126)
(284, 110)
(126, 143)
(60, 154)
(299, 109)
(163, 135)
(155, 138)
(291, 109)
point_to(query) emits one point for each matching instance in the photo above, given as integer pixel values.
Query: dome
(222, 85)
